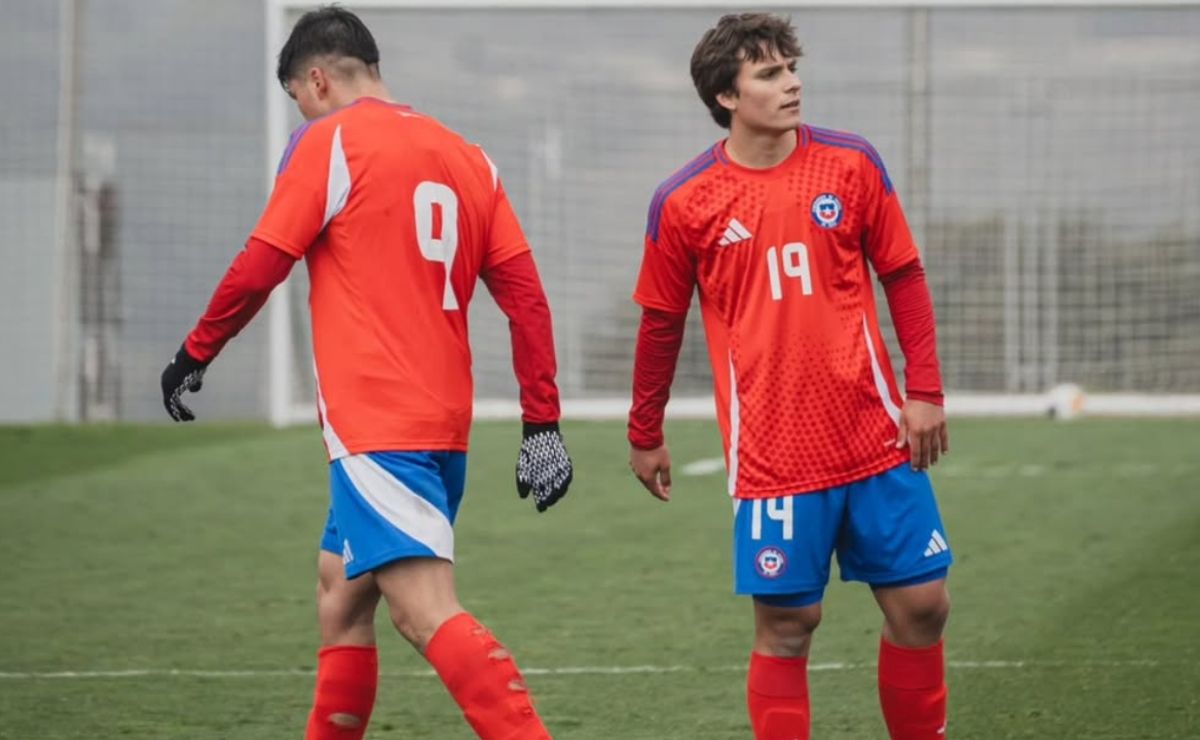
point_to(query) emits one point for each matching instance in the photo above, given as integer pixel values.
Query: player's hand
(543, 466)
(184, 373)
(653, 469)
(923, 429)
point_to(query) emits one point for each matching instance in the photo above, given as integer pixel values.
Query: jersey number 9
(441, 248)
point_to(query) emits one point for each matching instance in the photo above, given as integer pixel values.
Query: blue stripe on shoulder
(857, 143)
(673, 183)
(293, 140)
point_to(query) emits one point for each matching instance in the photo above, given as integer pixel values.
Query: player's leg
(401, 508)
(912, 680)
(475, 667)
(782, 630)
(782, 550)
(777, 681)
(895, 541)
(347, 663)
(345, 608)
(914, 615)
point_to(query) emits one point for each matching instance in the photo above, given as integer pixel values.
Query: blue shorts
(885, 529)
(386, 506)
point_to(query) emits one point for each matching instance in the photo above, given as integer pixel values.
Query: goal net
(1047, 158)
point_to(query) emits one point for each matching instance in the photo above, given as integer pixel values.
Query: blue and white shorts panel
(387, 506)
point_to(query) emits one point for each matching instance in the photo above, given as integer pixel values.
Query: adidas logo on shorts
(937, 544)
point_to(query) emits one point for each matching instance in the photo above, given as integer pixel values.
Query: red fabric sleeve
(659, 340)
(241, 293)
(299, 205)
(912, 314)
(667, 278)
(505, 237)
(517, 290)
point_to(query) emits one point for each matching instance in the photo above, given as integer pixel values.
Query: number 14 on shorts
(778, 509)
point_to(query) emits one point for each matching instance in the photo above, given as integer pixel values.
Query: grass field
(157, 583)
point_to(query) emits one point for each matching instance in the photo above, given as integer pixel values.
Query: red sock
(912, 691)
(346, 679)
(482, 677)
(777, 696)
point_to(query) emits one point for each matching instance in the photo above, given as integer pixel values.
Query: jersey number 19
(793, 260)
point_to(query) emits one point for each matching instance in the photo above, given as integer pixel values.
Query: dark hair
(745, 36)
(326, 31)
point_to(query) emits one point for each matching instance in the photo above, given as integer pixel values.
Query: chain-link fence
(1047, 158)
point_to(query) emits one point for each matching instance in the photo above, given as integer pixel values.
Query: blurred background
(1047, 157)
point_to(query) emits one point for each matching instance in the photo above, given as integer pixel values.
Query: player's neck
(759, 150)
(366, 89)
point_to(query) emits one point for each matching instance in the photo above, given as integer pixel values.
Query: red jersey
(806, 398)
(396, 216)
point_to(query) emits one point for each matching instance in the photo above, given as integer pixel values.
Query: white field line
(562, 671)
(705, 466)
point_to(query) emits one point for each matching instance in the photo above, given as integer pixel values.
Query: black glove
(543, 467)
(183, 373)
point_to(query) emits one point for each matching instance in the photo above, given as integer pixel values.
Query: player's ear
(728, 100)
(317, 81)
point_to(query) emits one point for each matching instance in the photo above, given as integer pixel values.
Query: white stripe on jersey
(734, 427)
(337, 187)
(881, 385)
(333, 443)
(492, 166)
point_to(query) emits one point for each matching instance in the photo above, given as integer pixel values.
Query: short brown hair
(736, 38)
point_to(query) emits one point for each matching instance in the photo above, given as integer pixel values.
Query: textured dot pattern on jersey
(782, 260)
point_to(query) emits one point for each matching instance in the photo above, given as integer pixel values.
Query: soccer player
(396, 217)
(776, 226)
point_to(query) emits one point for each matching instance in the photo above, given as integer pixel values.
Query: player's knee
(345, 618)
(418, 625)
(786, 631)
(417, 620)
(409, 629)
(934, 614)
(923, 620)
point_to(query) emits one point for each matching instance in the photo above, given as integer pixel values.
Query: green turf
(166, 547)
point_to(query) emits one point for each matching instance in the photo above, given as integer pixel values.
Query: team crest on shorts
(827, 210)
(770, 562)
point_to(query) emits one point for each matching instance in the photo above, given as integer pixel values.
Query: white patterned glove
(543, 467)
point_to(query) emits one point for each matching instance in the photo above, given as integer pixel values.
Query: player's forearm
(255, 271)
(517, 290)
(911, 307)
(660, 337)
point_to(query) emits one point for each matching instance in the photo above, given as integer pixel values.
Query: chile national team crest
(770, 562)
(827, 210)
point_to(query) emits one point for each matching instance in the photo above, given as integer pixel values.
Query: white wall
(27, 314)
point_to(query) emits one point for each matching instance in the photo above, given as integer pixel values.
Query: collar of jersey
(766, 173)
